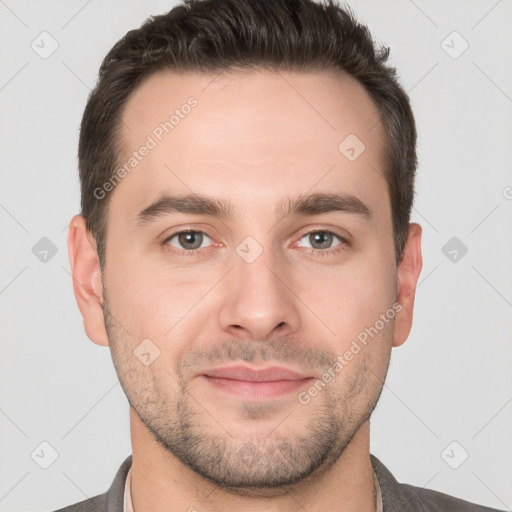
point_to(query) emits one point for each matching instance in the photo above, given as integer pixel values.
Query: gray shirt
(395, 496)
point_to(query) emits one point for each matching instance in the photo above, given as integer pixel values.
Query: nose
(258, 300)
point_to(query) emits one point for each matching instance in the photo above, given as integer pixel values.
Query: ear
(408, 273)
(87, 284)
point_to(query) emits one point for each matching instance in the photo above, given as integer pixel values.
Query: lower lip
(253, 389)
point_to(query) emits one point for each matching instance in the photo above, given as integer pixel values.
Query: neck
(162, 483)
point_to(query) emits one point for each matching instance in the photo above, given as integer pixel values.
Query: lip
(258, 383)
(252, 374)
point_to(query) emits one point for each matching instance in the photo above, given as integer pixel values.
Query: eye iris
(322, 237)
(189, 238)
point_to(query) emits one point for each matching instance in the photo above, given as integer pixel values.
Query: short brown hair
(215, 35)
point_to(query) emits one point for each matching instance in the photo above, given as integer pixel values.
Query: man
(244, 249)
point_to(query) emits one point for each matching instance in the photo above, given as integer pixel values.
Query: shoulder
(95, 504)
(405, 497)
(111, 501)
(435, 501)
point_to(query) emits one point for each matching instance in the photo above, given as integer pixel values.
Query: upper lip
(252, 374)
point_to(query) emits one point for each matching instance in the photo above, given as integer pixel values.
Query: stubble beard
(259, 465)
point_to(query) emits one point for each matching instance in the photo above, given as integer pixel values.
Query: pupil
(188, 238)
(318, 237)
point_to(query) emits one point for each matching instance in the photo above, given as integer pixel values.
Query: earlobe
(408, 274)
(87, 283)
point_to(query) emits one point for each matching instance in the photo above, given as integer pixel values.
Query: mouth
(257, 383)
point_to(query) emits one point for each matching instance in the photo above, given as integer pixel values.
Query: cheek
(350, 299)
(168, 306)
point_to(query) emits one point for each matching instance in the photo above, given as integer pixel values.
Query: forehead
(252, 136)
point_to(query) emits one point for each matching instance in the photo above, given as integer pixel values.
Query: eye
(320, 240)
(188, 240)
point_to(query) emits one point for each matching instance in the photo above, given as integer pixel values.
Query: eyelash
(344, 243)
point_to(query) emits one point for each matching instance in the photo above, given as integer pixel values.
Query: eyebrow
(197, 204)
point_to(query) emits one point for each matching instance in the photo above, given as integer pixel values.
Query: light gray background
(451, 381)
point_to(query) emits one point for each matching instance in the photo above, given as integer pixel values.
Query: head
(294, 145)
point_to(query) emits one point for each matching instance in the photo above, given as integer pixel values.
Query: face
(250, 324)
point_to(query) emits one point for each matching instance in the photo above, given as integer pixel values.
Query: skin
(254, 139)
